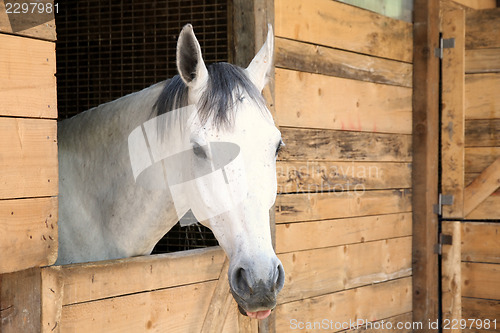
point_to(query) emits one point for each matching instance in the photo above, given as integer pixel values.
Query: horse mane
(225, 85)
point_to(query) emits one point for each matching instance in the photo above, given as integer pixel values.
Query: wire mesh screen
(110, 48)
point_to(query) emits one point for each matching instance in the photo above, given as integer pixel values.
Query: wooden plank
(295, 55)
(291, 237)
(27, 82)
(93, 281)
(452, 118)
(479, 158)
(482, 187)
(478, 4)
(367, 32)
(481, 242)
(483, 310)
(38, 24)
(400, 322)
(483, 29)
(20, 301)
(425, 160)
(51, 299)
(330, 205)
(329, 145)
(487, 210)
(480, 280)
(320, 101)
(482, 100)
(451, 274)
(349, 266)
(371, 303)
(28, 158)
(482, 61)
(29, 233)
(302, 177)
(482, 133)
(179, 309)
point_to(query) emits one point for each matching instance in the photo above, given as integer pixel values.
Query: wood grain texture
(482, 61)
(36, 25)
(479, 158)
(482, 100)
(338, 25)
(320, 101)
(480, 280)
(483, 29)
(329, 205)
(482, 187)
(28, 158)
(29, 233)
(295, 55)
(27, 81)
(481, 309)
(330, 145)
(482, 133)
(486, 210)
(481, 242)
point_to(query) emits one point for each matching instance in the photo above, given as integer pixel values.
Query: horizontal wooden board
(483, 310)
(482, 60)
(481, 242)
(487, 210)
(322, 271)
(28, 158)
(99, 280)
(40, 24)
(319, 234)
(320, 206)
(330, 145)
(403, 324)
(27, 83)
(482, 133)
(480, 280)
(327, 102)
(479, 158)
(28, 235)
(295, 55)
(482, 100)
(345, 27)
(302, 177)
(371, 303)
(478, 4)
(482, 29)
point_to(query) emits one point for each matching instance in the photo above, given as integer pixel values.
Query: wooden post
(425, 161)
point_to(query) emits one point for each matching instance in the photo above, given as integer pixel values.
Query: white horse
(204, 141)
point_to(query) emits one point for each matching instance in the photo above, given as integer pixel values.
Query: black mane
(225, 85)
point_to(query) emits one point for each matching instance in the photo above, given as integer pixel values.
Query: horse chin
(255, 315)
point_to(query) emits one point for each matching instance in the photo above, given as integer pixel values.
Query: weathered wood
(329, 205)
(301, 177)
(349, 266)
(382, 300)
(20, 306)
(479, 158)
(482, 133)
(482, 61)
(291, 237)
(219, 304)
(425, 160)
(28, 158)
(328, 145)
(482, 100)
(478, 4)
(51, 299)
(481, 309)
(483, 29)
(453, 113)
(324, 22)
(246, 324)
(179, 309)
(481, 242)
(487, 210)
(94, 281)
(383, 325)
(29, 233)
(480, 280)
(482, 187)
(320, 101)
(27, 82)
(38, 25)
(451, 275)
(295, 55)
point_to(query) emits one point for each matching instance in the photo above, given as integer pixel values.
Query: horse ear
(190, 63)
(262, 63)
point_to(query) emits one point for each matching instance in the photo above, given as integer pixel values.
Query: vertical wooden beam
(425, 161)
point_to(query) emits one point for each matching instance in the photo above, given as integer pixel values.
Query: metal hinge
(443, 240)
(443, 200)
(448, 43)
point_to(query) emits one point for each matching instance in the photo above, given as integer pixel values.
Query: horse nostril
(279, 278)
(241, 281)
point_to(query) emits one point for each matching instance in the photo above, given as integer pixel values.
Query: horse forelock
(225, 85)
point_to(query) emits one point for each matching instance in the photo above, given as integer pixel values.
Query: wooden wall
(343, 101)
(28, 141)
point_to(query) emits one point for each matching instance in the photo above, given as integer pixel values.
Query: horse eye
(241, 98)
(199, 151)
